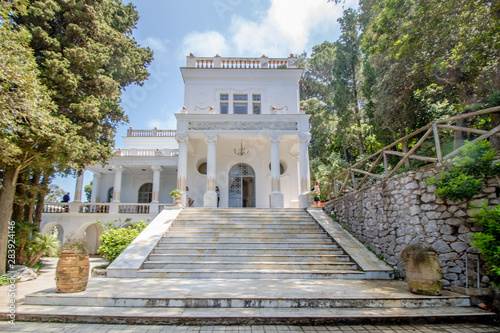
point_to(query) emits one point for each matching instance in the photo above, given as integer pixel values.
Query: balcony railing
(56, 207)
(104, 208)
(241, 63)
(147, 152)
(151, 133)
(94, 208)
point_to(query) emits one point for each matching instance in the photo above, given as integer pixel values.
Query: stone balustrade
(241, 63)
(56, 207)
(151, 133)
(133, 209)
(147, 152)
(94, 208)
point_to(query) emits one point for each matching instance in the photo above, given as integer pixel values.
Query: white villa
(241, 130)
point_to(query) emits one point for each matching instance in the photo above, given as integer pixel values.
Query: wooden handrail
(429, 129)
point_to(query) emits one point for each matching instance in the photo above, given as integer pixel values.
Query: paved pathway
(46, 280)
(87, 328)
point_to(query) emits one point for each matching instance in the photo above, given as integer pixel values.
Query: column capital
(156, 168)
(117, 167)
(305, 137)
(211, 138)
(274, 138)
(181, 137)
(97, 175)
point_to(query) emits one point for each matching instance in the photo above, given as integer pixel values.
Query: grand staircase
(246, 266)
(248, 243)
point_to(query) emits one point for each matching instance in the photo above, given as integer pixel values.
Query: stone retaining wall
(404, 210)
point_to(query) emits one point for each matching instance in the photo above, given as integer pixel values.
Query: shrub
(488, 240)
(114, 241)
(465, 178)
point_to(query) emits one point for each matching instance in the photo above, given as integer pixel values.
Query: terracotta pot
(72, 272)
(424, 278)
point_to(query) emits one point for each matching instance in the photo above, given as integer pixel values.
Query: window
(256, 103)
(224, 103)
(145, 193)
(240, 104)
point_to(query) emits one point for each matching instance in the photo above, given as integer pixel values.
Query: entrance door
(241, 186)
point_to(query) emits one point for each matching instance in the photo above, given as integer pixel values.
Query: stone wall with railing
(404, 209)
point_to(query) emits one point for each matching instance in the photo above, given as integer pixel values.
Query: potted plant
(72, 271)
(176, 194)
(423, 271)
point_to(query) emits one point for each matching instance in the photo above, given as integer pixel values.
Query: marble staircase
(246, 266)
(248, 243)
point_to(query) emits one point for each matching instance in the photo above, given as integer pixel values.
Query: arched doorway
(241, 186)
(55, 229)
(91, 231)
(145, 194)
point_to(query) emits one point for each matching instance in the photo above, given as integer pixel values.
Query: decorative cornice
(242, 126)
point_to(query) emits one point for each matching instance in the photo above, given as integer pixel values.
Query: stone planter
(177, 200)
(424, 277)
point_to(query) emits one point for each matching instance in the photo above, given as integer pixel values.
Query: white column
(210, 197)
(156, 183)
(305, 182)
(276, 197)
(79, 188)
(182, 139)
(117, 187)
(96, 188)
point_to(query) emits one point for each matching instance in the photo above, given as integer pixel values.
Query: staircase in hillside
(248, 243)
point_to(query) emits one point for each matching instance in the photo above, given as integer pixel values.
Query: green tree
(88, 191)
(414, 44)
(86, 56)
(30, 131)
(56, 193)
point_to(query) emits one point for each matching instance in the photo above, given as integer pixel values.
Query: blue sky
(231, 28)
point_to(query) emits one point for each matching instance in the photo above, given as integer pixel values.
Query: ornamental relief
(242, 126)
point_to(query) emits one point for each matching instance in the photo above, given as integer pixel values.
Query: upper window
(256, 103)
(240, 104)
(224, 103)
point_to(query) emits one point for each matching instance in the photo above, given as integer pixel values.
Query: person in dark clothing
(66, 198)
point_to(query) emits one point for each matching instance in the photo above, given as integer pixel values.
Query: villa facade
(241, 131)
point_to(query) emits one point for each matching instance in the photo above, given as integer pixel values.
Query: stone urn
(310, 199)
(423, 271)
(177, 200)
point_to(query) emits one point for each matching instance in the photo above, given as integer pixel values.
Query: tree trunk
(6, 200)
(19, 198)
(459, 135)
(494, 140)
(37, 220)
(356, 110)
(34, 188)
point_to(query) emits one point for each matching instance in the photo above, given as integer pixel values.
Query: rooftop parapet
(241, 63)
(151, 133)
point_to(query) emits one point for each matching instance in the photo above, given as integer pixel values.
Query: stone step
(246, 316)
(241, 228)
(239, 224)
(248, 235)
(247, 265)
(320, 239)
(196, 250)
(249, 257)
(250, 274)
(229, 244)
(244, 220)
(159, 301)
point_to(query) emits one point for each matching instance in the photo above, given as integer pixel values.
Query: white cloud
(285, 28)
(156, 44)
(169, 122)
(204, 44)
